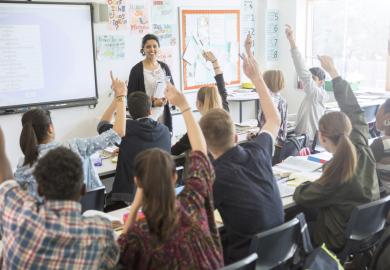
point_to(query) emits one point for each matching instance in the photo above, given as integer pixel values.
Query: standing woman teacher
(150, 76)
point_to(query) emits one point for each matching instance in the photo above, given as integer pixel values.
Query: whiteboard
(217, 30)
(46, 55)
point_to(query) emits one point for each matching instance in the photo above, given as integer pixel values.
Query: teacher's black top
(137, 83)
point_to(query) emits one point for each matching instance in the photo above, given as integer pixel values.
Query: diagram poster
(139, 17)
(110, 47)
(209, 30)
(118, 14)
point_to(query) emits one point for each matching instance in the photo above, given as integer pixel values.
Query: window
(356, 33)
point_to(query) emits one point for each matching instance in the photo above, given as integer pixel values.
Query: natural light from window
(356, 33)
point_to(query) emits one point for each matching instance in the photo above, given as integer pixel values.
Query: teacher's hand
(159, 102)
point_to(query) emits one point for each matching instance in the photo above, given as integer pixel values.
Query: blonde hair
(209, 98)
(218, 129)
(274, 80)
(337, 127)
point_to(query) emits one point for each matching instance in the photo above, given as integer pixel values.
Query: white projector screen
(46, 55)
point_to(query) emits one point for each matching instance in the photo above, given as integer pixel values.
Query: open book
(299, 164)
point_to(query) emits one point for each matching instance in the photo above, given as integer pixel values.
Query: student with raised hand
(38, 137)
(52, 235)
(274, 80)
(245, 191)
(207, 98)
(174, 233)
(142, 132)
(349, 179)
(313, 104)
(381, 147)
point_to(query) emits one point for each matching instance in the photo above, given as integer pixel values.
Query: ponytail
(36, 124)
(155, 169)
(342, 166)
(29, 144)
(337, 127)
(210, 98)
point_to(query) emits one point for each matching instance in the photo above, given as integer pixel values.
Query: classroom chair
(364, 228)
(276, 247)
(93, 199)
(247, 263)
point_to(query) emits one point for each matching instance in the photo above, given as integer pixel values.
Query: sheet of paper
(299, 164)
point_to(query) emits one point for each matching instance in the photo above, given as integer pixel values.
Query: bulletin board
(216, 30)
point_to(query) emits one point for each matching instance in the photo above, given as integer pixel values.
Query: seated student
(207, 98)
(245, 191)
(349, 178)
(38, 134)
(313, 104)
(52, 235)
(381, 147)
(174, 233)
(141, 133)
(274, 80)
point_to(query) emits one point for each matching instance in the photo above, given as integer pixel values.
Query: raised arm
(209, 56)
(303, 72)
(271, 114)
(347, 102)
(5, 167)
(195, 135)
(120, 90)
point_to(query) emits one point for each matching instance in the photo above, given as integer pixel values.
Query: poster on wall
(139, 17)
(110, 47)
(213, 30)
(272, 34)
(248, 22)
(118, 14)
(164, 22)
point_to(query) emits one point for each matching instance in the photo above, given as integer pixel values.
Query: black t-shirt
(246, 194)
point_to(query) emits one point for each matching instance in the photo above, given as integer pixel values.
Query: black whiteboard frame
(91, 102)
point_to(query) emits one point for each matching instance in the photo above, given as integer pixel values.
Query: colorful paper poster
(166, 34)
(118, 14)
(139, 17)
(164, 22)
(110, 47)
(163, 11)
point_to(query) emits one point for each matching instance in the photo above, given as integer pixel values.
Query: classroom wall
(81, 121)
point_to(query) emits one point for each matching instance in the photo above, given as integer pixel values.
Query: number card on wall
(272, 34)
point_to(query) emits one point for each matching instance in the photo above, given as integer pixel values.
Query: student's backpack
(292, 146)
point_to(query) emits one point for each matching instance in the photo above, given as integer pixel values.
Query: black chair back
(275, 247)
(366, 223)
(93, 199)
(247, 263)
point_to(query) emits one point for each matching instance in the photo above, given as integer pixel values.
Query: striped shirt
(53, 235)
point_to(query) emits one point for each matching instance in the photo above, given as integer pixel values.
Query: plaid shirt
(53, 235)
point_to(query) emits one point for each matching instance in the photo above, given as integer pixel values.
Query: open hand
(328, 65)
(209, 56)
(248, 44)
(175, 97)
(289, 32)
(118, 86)
(250, 68)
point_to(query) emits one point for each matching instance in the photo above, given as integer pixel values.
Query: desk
(244, 96)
